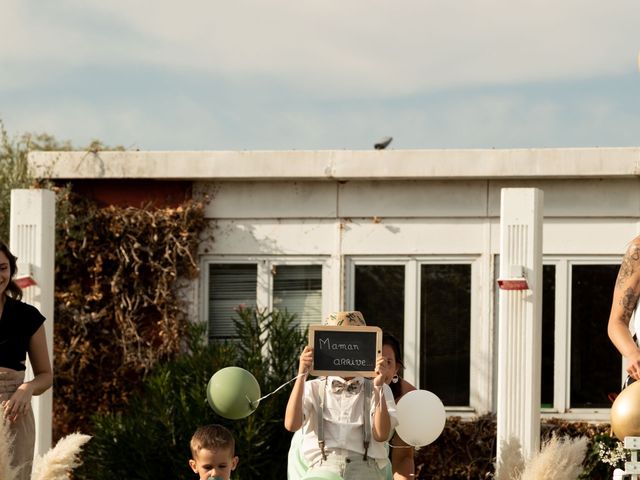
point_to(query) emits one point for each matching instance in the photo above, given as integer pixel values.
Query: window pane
(548, 333)
(298, 290)
(230, 285)
(379, 295)
(445, 311)
(595, 363)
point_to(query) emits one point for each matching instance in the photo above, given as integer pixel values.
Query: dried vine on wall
(117, 310)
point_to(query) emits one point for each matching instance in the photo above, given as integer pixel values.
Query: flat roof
(339, 164)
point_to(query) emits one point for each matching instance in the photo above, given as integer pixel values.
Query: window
(263, 283)
(548, 334)
(595, 363)
(379, 295)
(445, 331)
(230, 285)
(432, 297)
(580, 367)
(297, 289)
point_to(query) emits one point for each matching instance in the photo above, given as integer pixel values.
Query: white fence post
(32, 240)
(520, 319)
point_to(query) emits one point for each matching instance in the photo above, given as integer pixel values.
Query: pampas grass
(559, 459)
(511, 464)
(7, 471)
(58, 462)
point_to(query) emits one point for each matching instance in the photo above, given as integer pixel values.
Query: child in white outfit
(346, 420)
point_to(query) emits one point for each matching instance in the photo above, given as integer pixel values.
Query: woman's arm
(19, 402)
(402, 457)
(625, 298)
(293, 416)
(402, 463)
(40, 363)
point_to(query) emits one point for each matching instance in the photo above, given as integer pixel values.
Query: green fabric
(297, 466)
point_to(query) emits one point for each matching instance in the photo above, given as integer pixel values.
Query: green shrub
(466, 449)
(117, 306)
(150, 439)
(14, 168)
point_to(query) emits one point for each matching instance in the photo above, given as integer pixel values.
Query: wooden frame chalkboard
(345, 351)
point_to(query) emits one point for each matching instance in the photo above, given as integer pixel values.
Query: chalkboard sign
(345, 351)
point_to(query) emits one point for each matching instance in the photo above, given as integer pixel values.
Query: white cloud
(518, 118)
(334, 48)
(321, 74)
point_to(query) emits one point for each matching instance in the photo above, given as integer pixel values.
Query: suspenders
(320, 422)
(366, 414)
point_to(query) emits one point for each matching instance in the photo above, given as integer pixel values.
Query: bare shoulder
(406, 387)
(633, 249)
(630, 265)
(634, 245)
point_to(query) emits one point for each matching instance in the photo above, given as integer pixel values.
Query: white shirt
(343, 420)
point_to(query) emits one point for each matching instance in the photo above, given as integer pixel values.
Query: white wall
(341, 206)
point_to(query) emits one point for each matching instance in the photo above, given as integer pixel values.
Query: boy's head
(346, 319)
(213, 453)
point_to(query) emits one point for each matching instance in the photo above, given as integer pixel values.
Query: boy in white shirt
(346, 420)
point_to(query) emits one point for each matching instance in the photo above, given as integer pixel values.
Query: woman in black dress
(21, 334)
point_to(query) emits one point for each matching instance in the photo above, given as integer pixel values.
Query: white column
(32, 240)
(337, 265)
(520, 320)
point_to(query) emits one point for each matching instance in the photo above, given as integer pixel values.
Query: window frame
(264, 278)
(562, 348)
(479, 320)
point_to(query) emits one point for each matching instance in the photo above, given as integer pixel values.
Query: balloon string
(280, 387)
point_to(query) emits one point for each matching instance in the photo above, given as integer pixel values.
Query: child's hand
(382, 371)
(306, 360)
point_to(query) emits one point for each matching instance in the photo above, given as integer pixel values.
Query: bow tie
(351, 388)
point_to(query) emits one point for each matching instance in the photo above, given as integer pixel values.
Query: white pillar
(520, 320)
(32, 240)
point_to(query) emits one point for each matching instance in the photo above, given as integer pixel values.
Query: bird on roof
(383, 143)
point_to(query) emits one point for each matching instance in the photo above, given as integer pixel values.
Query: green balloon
(233, 393)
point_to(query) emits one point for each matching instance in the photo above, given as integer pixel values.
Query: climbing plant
(118, 308)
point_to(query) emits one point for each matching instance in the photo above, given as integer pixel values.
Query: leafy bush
(14, 168)
(118, 311)
(150, 438)
(467, 448)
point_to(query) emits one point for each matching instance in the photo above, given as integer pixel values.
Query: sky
(322, 74)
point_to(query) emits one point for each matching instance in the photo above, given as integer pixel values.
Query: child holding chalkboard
(346, 420)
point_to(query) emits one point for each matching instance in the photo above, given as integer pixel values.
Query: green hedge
(150, 439)
(467, 448)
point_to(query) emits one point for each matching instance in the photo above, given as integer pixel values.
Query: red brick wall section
(134, 193)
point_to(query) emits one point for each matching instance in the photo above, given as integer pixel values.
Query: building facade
(410, 238)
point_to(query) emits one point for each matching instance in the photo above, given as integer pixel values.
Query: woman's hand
(19, 403)
(633, 365)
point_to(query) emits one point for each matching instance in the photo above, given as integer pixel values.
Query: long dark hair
(13, 290)
(394, 343)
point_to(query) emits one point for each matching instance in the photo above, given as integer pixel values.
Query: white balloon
(421, 418)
